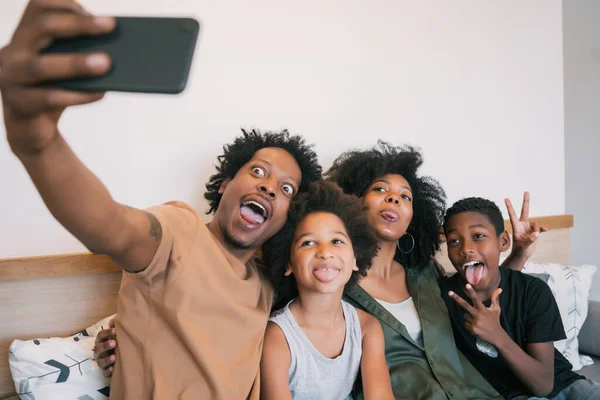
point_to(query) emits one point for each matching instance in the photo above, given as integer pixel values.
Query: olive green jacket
(436, 370)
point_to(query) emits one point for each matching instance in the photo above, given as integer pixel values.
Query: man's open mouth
(253, 212)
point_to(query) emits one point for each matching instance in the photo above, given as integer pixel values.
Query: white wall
(478, 85)
(582, 127)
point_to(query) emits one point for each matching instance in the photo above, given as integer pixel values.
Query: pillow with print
(59, 368)
(571, 287)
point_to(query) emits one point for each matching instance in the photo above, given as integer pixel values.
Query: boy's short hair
(321, 196)
(481, 206)
(238, 153)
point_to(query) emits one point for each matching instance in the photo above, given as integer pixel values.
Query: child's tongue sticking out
(474, 273)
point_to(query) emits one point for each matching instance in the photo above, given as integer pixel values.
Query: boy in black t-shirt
(509, 337)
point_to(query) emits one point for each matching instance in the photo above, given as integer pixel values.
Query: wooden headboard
(52, 296)
(60, 295)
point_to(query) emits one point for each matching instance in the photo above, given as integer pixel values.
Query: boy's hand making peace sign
(483, 322)
(525, 235)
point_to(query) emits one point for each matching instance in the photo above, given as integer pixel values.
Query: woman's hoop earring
(411, 247)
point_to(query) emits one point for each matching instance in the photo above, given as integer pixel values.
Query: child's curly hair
(238, 153)
(354, 171)
(325, 197)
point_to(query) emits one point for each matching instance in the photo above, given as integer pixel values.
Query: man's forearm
(75, 196)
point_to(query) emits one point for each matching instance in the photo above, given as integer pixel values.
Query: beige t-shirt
(188, 327)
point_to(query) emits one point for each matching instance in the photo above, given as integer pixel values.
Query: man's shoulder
(176, 205)
(177, 215)
(182, 226)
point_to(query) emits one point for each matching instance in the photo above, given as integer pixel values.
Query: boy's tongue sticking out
(473, 272)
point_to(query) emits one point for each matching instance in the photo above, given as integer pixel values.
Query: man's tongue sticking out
(251, 216)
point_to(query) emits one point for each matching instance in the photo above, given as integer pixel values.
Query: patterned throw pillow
(59, 368)
(571, 287)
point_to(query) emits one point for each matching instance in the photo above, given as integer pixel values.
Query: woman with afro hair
(401, 290)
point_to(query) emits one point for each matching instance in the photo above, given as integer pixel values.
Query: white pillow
(571, 287)
(59, 368)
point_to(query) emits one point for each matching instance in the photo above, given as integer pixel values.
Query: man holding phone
(193, 305)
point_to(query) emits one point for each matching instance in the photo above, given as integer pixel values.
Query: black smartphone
(149, 55)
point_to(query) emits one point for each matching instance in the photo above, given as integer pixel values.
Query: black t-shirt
(529, 315)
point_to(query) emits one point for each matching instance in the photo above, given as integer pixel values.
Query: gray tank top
(312, 376)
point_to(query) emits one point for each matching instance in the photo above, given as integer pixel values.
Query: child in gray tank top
(315, 345)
